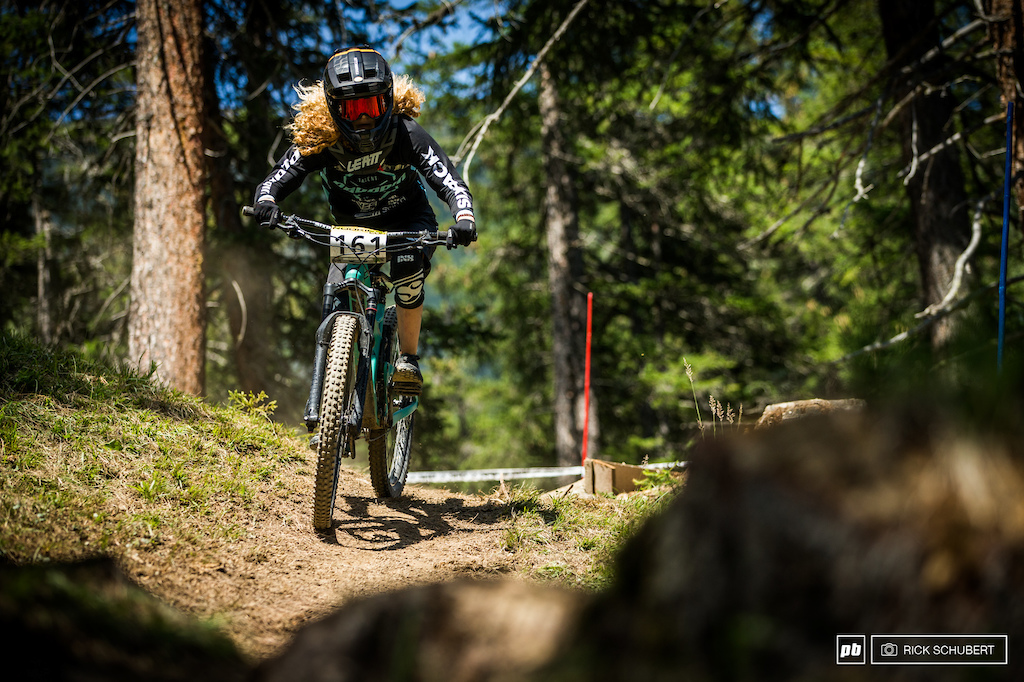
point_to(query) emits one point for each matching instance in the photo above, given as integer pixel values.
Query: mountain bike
(351, 393)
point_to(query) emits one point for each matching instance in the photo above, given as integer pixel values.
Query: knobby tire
(335, 442)
(389, 448)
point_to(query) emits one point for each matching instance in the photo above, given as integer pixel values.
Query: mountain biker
(356, 128)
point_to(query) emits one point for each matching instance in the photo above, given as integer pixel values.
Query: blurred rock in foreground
(455, 632)
(86, 621)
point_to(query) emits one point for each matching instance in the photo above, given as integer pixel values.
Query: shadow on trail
(386, 525)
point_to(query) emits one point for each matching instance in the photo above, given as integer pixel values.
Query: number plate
(358, 245)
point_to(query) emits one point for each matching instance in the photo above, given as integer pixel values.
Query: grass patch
(574, 541)
(98, 459)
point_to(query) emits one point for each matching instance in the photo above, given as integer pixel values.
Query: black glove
(267, 214)
(464, 232)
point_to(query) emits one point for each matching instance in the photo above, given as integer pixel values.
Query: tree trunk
(565, 270)
(1006, 31)
(44, 277)
(938, 201)
(167, 324)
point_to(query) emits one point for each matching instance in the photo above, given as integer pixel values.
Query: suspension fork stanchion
(323, 340)
(363, 371)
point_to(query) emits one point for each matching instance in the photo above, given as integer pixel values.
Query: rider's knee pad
(409, 290)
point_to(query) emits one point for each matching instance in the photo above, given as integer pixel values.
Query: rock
(454, 632)
(780, 412)
(87, 621)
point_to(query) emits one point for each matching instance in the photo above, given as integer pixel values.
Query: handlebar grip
(248, 211)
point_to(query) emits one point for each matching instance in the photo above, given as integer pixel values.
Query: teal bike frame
(360, 294)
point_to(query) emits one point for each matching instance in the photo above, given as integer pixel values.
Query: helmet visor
(351, 109)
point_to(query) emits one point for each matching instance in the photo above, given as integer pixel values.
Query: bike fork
(323, 340)
(363, 372)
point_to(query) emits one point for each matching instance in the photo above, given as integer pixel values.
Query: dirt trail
(281, 575)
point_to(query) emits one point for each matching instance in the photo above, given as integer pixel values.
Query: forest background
(768, 199)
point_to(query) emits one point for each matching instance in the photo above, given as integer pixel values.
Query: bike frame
(361, 294)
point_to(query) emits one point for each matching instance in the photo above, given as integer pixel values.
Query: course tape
(474, 475)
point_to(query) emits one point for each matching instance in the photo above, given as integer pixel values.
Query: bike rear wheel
(335, 440)
(389, 448)
(389, 457)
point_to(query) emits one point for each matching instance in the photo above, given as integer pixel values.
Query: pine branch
(961, 264)
(952, 139)
(927, 322)
(493, 117)
(446, 10)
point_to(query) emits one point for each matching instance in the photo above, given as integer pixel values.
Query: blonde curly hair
(313, 130)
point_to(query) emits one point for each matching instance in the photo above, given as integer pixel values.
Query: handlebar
(320, 233)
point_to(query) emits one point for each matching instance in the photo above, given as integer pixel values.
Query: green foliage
(62, 170)
(79, 436)
(254, 404)
(468, 421)
(67, 377)
(659, 478)
(658, 235)
(589, 532)
(18, 250)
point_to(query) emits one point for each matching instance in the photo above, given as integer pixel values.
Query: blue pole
(1006, 233)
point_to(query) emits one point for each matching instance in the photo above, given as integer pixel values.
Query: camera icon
(889, 649)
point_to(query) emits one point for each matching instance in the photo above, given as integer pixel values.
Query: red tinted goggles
(351, 109)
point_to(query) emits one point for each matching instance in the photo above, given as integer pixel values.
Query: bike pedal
(404, 388)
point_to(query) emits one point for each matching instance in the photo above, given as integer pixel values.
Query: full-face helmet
(357, 82)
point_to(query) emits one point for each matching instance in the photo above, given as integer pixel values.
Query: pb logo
(850, 650)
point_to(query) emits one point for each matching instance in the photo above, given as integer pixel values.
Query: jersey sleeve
(287, 175)
(439, 171)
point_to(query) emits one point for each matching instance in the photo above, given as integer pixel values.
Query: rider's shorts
(409, 269)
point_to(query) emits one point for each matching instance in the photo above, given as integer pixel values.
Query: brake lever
(290, 227)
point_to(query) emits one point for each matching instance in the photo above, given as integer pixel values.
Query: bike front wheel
(389, 448)
(335, 440)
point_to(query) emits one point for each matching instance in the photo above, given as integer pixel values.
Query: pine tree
(168, 320)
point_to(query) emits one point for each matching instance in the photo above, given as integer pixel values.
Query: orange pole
(586, 378)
